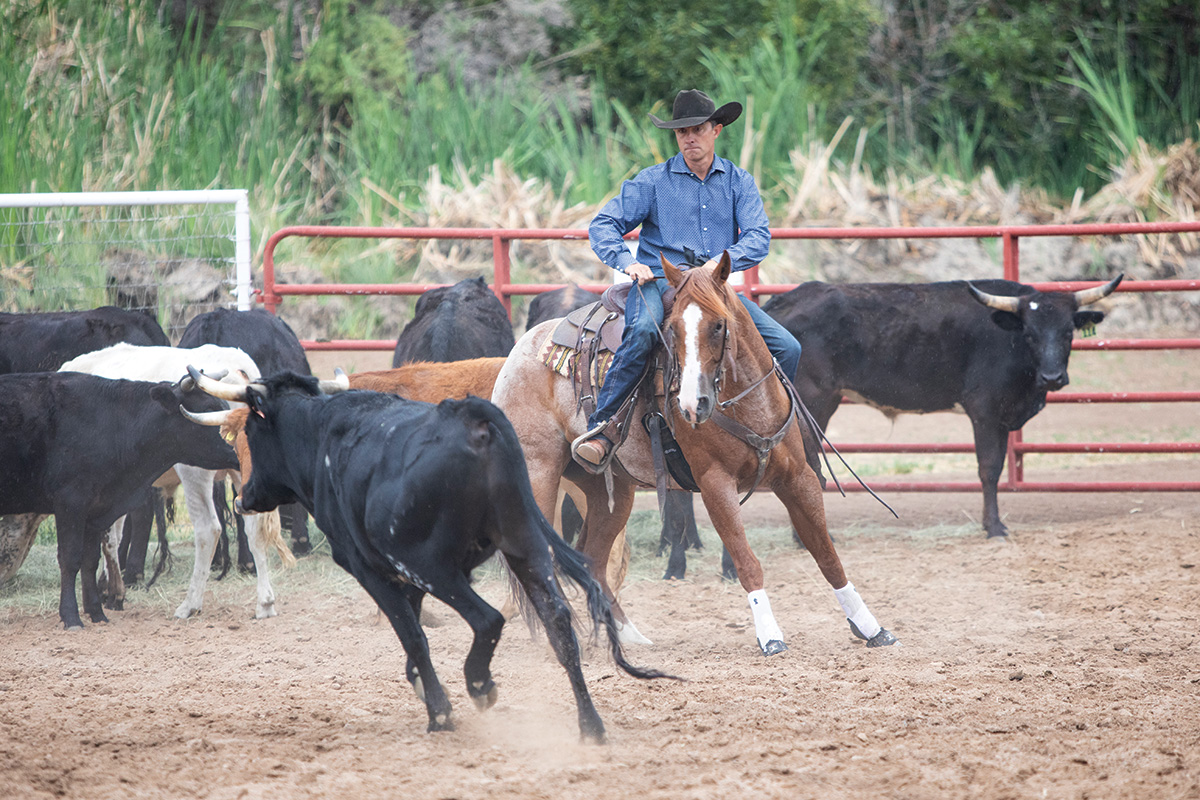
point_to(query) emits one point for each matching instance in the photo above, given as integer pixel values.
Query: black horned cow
(992, 348)
(412, 497)
(84, 448)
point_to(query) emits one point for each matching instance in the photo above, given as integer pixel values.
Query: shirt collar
(677, 164)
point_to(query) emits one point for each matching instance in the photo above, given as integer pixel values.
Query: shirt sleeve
(619, 216)
(755, 239)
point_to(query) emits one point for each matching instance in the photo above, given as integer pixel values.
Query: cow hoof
(773, 647)
(115, 605)
(440, 722)
(266, 612)
(592, 731)
(186, 612)
(301, 546)
(485, 700)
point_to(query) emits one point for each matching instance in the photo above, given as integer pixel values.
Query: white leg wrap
(856, 610)
(765, 626)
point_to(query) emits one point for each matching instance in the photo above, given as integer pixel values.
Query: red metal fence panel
(273, 293)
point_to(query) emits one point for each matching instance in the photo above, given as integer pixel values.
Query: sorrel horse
(729, 395)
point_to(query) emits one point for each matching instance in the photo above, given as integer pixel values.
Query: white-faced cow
(454, 323)
(412, 497)
(167, 363)
(991, 348)
(81, 447)
(275, 348)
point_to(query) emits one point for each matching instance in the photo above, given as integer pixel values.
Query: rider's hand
(640, 273)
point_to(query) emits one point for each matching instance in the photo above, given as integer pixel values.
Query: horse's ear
(721, 274)
(673, 273)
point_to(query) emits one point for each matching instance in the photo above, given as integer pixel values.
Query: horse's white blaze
(856, 610)
(765, 626)
(689, 381)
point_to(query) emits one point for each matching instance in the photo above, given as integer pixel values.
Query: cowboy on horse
(691, 208)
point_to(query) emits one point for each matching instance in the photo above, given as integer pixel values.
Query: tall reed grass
(99, 97)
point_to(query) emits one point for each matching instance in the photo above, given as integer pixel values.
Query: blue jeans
(643, 311)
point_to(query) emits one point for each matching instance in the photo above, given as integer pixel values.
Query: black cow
(993, 348)
(44, 341)
(455, 323)
(412, 497)
(275, 348)
(557, 303)
(83, 448)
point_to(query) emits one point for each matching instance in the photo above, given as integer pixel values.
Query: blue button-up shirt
(676, 210)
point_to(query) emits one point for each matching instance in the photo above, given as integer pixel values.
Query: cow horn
(1086, 296)
(210, 419)
(224, 391)
(187, 384)
(340, 383)
(996, 301)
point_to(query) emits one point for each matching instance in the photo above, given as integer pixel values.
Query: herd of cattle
(412, 496)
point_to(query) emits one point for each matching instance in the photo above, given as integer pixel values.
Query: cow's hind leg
(806, 508)
(395, 603)
(71, 540)
(536, 575)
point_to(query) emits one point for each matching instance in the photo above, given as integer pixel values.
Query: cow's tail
(270, 534)
(572, 564)
(164, 508)
(512, 474)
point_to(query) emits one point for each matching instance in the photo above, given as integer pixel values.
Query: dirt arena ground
(1063, 663)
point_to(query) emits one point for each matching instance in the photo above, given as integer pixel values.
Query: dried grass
(1148, 185)
(497, 199)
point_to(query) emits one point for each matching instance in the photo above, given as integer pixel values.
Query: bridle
(761, 445)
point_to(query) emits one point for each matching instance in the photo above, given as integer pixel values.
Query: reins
(761, 445)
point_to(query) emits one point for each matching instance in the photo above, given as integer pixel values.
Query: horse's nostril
(702, 405)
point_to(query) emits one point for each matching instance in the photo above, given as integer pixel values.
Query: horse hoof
(1001, 536)
(882, 639)
(773, 647)
(628, 634)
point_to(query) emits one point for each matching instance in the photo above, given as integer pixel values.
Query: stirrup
(594, 469)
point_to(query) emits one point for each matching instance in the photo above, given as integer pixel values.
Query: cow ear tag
(1087, 331)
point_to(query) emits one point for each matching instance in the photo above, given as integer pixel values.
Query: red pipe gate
(273, 293)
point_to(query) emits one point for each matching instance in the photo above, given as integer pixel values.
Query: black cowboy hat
(694, 107)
